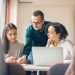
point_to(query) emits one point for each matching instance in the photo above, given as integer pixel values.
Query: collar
(43, 27)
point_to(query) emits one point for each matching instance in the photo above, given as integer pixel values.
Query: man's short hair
(38, 12)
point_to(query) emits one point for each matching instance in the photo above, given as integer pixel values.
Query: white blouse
(67, 48)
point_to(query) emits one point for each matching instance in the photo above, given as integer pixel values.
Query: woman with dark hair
(57, 34)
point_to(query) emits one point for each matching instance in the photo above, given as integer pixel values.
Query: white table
(31, 67)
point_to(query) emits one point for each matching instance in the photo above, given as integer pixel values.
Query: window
(2, 14)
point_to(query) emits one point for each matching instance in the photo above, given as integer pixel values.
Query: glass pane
(2, 14)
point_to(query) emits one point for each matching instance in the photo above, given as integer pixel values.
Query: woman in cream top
(57, 34)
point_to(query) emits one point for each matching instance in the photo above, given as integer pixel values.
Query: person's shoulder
(30, 27)
(47, 22)
(19, 43)
(68, 42)
(29, 30)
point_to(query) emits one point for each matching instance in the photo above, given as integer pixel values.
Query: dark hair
(5, 41)
(37, 13)
(59, 28)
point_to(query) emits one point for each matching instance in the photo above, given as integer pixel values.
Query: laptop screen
(47, 55)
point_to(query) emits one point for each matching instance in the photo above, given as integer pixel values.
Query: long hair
(5, 41)
(71, 68)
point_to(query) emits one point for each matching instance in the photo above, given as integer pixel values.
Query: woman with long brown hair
(12, 47)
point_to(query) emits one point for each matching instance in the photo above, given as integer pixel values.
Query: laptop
(46, 56)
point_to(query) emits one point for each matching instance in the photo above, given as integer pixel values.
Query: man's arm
(28, 45)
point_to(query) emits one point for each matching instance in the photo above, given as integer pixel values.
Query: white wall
(64, 15)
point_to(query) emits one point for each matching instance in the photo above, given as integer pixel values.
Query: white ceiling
(51, 2)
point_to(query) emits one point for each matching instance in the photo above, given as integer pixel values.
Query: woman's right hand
(10, 60)
(49, 42)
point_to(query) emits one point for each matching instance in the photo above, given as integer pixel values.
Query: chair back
(15, 69)
(58, 69)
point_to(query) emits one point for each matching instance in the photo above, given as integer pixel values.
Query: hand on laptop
(49, 42)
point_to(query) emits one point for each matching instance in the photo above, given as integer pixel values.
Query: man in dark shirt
(35, 33)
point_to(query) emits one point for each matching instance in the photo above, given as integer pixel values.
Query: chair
(58, 69)
(3, 67)
(15, 69)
